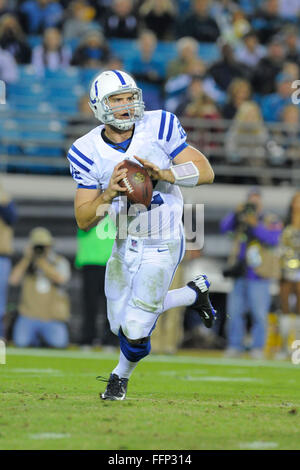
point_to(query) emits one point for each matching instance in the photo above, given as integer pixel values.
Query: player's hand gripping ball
(138, 184)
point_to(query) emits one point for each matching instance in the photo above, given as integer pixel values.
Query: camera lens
(39, 249)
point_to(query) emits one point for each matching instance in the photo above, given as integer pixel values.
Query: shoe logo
(160, 250)
(205, 315)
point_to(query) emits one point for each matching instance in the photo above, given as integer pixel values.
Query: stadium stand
(41, 116)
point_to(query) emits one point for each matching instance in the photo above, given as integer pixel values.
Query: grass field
(49, 400)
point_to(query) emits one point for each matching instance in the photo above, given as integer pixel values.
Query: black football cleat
(203, 305)
(116, 388)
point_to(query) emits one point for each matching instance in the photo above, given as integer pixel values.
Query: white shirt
(159, 138)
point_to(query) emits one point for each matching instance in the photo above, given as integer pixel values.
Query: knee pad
(134, 349)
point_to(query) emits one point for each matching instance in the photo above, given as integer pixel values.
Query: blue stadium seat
(40, 143)
(125, 49)
(40, 122)
(26, 90)
(65, 105)
(27, 74)
(86, 76)
(72, 43)
(209, 52)
(34, 40)
(30, 104)
(70, 75)
(9, 129)
(71, 92)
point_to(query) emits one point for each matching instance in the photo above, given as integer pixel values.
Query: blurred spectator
(8, 67)
(121, 21)
(181, 70)
(92, 51)
(291, 42)
(238, 27)
(291, 69)
(252, 264)
(114, 63)
(198, 23)
(289, 318)
(37, 15)
(288, 137)
(5, 7)
(12, 39)
(91, 258)
(51, 54)
(250, 52)
(43, 309)
(247, 137)
(144, 66)
(196, 103)
(239, 91)
(227, 68)
(8, 218)
(159, 16)
(102, 8)
(249, 6)
(188, 60)
(148, 70)
(266, 21)
(79, 20)
(289, 10)
(273, 104)
(268, 68)
(222, 11)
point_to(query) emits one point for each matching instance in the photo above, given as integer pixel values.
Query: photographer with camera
(44, 307)
(253, 262)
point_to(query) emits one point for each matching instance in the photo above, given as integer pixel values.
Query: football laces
(128, 185)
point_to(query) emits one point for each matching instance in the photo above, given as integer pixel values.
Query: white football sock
(286, 326)
(297, 327)
(125, 368)
(179, 297)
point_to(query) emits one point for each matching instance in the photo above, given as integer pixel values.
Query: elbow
(83, 225)
(210, 176)
(84, 228)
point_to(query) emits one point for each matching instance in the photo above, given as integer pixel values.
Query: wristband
(185, 174)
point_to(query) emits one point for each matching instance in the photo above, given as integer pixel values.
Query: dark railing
(270, 152)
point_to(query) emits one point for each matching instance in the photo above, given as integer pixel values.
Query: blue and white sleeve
(171, 134)
(82, 169)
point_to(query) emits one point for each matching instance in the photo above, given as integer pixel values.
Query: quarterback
(142, 265)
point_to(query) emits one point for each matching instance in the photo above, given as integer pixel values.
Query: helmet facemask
(106, 113)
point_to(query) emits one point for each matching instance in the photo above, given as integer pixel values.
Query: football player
(141, 267)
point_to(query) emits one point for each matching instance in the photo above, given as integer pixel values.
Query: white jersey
(159, 138)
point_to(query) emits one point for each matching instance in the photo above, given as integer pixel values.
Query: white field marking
(220, 379)
(218, 361)
(52, 372)
(258, 445)
(238, 371)
(49, 435)
(186, 371)
(36, 371)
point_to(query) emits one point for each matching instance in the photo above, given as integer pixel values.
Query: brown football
(138, 183)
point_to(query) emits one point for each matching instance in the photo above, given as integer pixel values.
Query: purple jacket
(268, 234)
